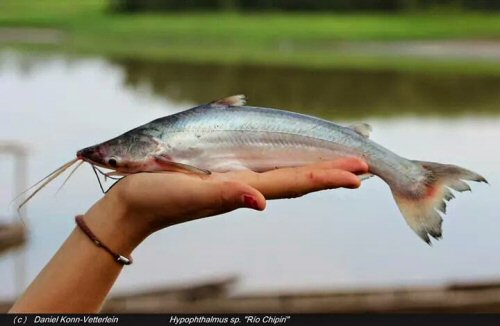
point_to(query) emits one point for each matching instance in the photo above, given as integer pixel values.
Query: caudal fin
(422, 207)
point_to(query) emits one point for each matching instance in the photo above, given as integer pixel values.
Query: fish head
(128, 153)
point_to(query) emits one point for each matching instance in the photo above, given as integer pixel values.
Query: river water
(328, 240)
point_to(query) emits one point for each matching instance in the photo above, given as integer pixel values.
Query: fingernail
(250, 201)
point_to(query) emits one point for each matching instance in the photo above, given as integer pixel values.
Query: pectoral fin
(179, 167)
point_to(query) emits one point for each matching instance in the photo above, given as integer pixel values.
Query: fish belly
(228, 151)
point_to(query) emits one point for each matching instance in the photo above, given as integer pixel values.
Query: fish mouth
(91, 155)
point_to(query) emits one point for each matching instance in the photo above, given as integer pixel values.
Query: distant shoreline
(458, 42)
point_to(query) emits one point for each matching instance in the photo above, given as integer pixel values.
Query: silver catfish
(226, 135)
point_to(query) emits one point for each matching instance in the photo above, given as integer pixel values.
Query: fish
(227, 135)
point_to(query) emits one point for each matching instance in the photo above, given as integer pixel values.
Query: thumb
(233, 195)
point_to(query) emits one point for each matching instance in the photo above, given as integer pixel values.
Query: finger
(225, 196)
(295, 182)
(235, 194)
(351, 164)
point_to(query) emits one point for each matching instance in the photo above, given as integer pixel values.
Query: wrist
(114, 224)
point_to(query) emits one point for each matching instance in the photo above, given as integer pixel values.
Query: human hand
(80, 275)
(152, 201)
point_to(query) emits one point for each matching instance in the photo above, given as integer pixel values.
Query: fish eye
(112, 162)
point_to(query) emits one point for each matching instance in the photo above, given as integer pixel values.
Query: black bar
(253, 319)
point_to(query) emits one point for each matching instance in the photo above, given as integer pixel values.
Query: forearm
(80, 275)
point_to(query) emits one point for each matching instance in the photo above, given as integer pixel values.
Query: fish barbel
(226, 135)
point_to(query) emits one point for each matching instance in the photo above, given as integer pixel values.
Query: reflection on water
(329, 93)
(330, 239)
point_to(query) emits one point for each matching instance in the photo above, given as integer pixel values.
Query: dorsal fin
(235, 100)
(362, 128)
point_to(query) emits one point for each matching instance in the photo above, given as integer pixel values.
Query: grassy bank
(312, 40)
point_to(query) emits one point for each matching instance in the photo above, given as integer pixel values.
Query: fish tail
(425, 202)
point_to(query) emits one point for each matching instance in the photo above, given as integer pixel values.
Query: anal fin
(365, 176)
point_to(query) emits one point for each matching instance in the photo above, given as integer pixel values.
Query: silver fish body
(225, 135)
(243, 137)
